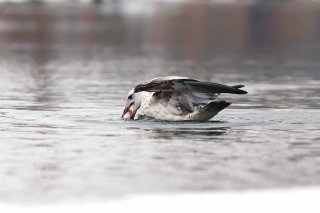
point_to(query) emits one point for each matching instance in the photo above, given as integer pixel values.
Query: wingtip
(240, 92)
(237, 87)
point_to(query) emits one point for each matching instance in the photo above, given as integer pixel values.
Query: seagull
(174, 98)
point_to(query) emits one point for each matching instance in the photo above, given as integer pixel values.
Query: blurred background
(190, 30)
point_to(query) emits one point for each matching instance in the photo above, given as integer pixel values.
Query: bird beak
(129, 113)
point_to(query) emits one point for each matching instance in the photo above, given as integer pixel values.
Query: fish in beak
(129, 112)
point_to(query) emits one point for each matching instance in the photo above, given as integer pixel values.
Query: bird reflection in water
(203, 133)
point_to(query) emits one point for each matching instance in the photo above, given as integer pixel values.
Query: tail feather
(209, 111)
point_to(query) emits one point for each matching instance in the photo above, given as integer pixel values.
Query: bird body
(174, 98)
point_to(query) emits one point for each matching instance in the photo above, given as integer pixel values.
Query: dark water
(65, 71)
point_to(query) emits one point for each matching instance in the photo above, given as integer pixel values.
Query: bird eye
(130, 97)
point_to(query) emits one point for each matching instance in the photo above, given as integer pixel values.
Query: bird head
(133, 103)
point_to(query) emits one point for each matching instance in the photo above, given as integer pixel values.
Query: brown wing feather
(160, 83)
(181, 84)
(175, 103)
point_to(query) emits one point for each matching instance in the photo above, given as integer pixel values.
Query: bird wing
(178, 103)
(184, 85)
(171, 103)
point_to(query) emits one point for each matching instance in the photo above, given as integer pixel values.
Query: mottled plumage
(175, 98)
